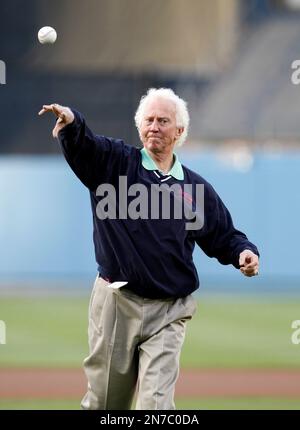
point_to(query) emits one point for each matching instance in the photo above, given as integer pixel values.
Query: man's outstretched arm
(94, 159)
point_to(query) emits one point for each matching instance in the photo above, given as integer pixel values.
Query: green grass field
(238, 332)
(226, 332)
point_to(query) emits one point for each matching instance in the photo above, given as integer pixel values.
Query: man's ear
(179, 131)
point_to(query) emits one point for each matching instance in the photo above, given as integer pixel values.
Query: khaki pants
(133, 342)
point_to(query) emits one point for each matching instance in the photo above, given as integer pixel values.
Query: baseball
(47, 35)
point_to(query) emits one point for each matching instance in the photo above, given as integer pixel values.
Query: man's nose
(154, 125)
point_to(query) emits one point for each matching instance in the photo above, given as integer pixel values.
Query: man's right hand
(64, 116)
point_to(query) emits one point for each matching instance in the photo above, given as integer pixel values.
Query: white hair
(182, 115)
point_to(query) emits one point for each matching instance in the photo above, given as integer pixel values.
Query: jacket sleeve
(219, 238)
(94, 159)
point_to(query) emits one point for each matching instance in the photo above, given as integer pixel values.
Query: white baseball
(47, 35)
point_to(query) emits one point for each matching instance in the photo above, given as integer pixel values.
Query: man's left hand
(249, 263)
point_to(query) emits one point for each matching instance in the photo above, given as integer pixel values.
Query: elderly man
(141, 299)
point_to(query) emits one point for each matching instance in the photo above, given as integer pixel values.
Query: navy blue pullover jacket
(153, 255)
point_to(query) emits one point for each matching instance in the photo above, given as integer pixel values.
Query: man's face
(158, 130)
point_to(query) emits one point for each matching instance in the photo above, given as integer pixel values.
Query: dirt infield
(71, 383)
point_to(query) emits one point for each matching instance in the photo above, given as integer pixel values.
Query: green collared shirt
(149, 164)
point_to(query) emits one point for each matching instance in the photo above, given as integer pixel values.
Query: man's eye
(163, 121)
